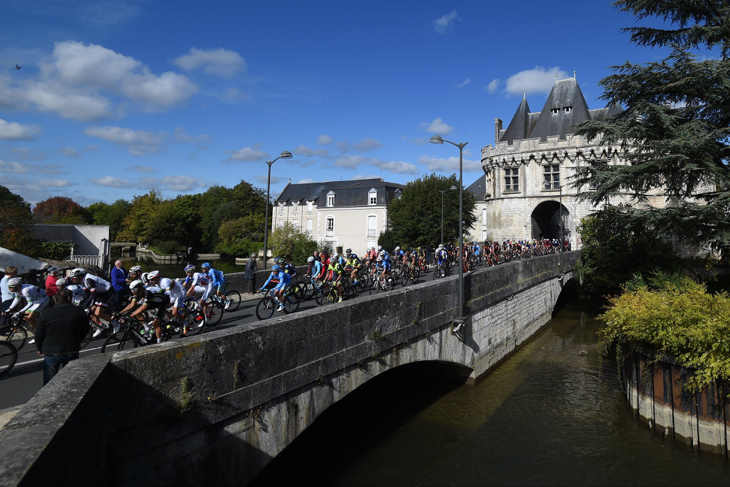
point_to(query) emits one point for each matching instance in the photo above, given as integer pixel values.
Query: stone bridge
(217, 408)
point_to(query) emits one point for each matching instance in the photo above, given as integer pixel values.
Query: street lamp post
(283, 155)
(442, 210)
(436, 139)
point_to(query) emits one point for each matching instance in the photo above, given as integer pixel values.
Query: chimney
(497, 130)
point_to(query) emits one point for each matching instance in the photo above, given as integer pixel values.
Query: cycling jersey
(316, 268)
(97, 291)
(290, 269)
(216, 276)
(155, 299)
(384, 265)
(174, 289)
(283, 277)
(335, 270)
(94, 283)
(200, 279)
(354, 262)
(35, 298)
(78, 293)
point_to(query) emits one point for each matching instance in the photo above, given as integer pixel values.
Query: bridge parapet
(217, 408)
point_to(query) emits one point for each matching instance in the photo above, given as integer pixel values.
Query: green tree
(137, 225)
(16, 220)
(61, 209)
(415, 218)
(291, 244)
(675, 124)
(209, 202)
(242, 236)
(617, 248)
(111, 215)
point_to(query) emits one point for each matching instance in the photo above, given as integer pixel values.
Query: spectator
(249, 276)
(59, 334)
(119, 283)
(7, 296)
(51, 288)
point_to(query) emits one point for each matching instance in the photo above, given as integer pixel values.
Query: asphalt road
(26, 378)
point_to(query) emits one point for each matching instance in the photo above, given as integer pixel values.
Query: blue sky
(114, 98)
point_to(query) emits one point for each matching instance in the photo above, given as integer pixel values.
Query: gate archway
(546, 220)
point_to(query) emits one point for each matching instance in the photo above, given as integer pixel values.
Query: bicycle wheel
(266, 307)
(215, 312)
(119, 341)
(8, 357)
(15, 334)
(321, 295)
(416, 275)
(88, 337)
(291, 303)
(307, 290)
(404, 280)
(232, 300)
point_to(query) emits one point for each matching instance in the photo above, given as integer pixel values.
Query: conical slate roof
(519, 127)
(565, 107)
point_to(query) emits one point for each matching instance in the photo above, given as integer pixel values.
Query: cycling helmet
(78, 272)
(380, 259)
(145, 278)
(61, 282)
(153, 275)
(275, 267)
(348, 251)
(15, 281)
(381, 253)
(136, 286)
(279, 260)
(310, 259)
(379, 248)
(189, 268)
(205, 265)
(397, 248)
(134, 269)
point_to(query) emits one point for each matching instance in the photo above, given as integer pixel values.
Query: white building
(350, 214)
(528, 171)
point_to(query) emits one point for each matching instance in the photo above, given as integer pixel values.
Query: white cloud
(351, 162)
(69, 152)
(305, 151)
(55, 183)
(449, 165)
(367, 144)
(445, 23)
(14, 167)
(247, 154)
(324, 140)
(112, 182)
(173, 183)
(221, 62)
(400, 167)
(141, 169)
(90, 82)
(181, 136)
(16, 131)
(436, 127)
(538, 80)
(464, 83)
(274, 179)
(492, 86)
(138, 142)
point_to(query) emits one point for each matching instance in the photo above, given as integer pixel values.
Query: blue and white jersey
(216, 276)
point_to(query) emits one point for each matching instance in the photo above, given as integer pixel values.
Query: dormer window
(331, 198)
(555, 111)
(295, 206)
(309, 207)
(373, 197)
(398, 193)
(568, 109)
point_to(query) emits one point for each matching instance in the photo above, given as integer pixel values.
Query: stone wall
(216, 409)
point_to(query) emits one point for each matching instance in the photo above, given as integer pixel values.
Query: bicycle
(269, 303)
(8, 357)
(16, 331)
(231, 299)
(411, 273)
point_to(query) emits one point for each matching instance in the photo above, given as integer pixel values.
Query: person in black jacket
(59, 334)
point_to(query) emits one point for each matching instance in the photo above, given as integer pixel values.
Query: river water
(549, 415)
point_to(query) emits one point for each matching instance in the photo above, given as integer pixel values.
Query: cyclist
(148, 298)
(199, 283)
(353, 263)
(382, 267)
(335, 276)
(97, 294)
(218, 279)
(35, 298)
(284, 279)
(135, 273)
(315, 268)
(173, 289)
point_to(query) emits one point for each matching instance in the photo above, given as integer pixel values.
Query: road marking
(28, 362)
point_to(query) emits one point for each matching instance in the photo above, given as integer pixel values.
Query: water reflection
(546, 416)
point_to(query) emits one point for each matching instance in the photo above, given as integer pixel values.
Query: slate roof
(479, 187)
(347, 193)
(564, 108)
